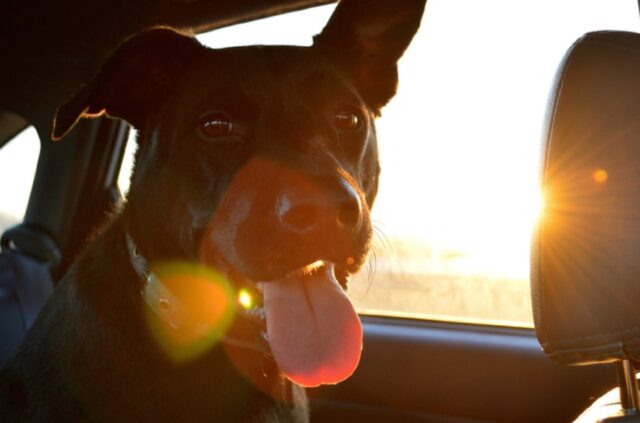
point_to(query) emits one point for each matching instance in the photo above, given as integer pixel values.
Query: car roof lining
(10, 126)
(237, 12)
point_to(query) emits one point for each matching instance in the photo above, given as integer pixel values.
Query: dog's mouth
(291, 238)
(313, 330)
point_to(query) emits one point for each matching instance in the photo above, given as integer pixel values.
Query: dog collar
(157, 296)
(168, 308)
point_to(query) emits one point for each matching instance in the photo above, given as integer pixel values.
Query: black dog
(255, 172)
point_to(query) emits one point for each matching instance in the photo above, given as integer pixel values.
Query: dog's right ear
(366, 38)
(133, 81)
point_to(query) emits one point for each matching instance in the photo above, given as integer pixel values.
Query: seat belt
(27, 260)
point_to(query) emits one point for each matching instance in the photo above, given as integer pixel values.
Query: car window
(124, 176)
(460, 151)
(18, 160)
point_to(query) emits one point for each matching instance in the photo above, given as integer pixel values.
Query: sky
(460, 143)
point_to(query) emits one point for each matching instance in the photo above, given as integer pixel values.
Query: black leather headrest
(586, 258)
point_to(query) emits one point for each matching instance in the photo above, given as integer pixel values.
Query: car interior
(575, 335)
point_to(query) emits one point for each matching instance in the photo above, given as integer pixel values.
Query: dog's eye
(347, 121)
(216, 125)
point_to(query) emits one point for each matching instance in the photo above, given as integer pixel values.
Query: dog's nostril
(349, 215)
(300, 218)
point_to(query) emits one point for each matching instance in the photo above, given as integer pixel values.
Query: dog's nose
(304, 212)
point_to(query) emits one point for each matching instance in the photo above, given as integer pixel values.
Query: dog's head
(262, 162)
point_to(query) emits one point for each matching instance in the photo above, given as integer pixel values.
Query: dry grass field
(411, 280)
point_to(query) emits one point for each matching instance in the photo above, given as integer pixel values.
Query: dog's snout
(304, 212)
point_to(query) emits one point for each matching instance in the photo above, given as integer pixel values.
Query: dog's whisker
(374, 265)
(371, 269)
(380, 236)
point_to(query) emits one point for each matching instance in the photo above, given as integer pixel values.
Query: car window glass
(460, 148)
(124, 177)
(18, 160)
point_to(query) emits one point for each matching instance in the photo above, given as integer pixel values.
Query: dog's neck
(169, 309)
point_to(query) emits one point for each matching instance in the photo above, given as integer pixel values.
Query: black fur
(89, 356)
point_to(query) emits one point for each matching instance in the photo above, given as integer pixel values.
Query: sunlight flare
(245, 299)
(197, 306)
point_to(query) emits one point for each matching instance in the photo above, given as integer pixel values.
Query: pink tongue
(314, 331)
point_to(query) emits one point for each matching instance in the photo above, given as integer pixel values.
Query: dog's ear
(132, 81)
(366, 38)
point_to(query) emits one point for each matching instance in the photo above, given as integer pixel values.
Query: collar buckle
(157, 296)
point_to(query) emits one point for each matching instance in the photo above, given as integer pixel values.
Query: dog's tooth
(257, 313)
(260, 313)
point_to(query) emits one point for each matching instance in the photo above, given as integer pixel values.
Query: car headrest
(585, 268)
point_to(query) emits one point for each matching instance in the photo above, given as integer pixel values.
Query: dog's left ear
(133, 81)
(366, 38)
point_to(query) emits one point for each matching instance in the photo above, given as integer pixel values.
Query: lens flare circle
(600, 176)
(205, 303)
(245, 299)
